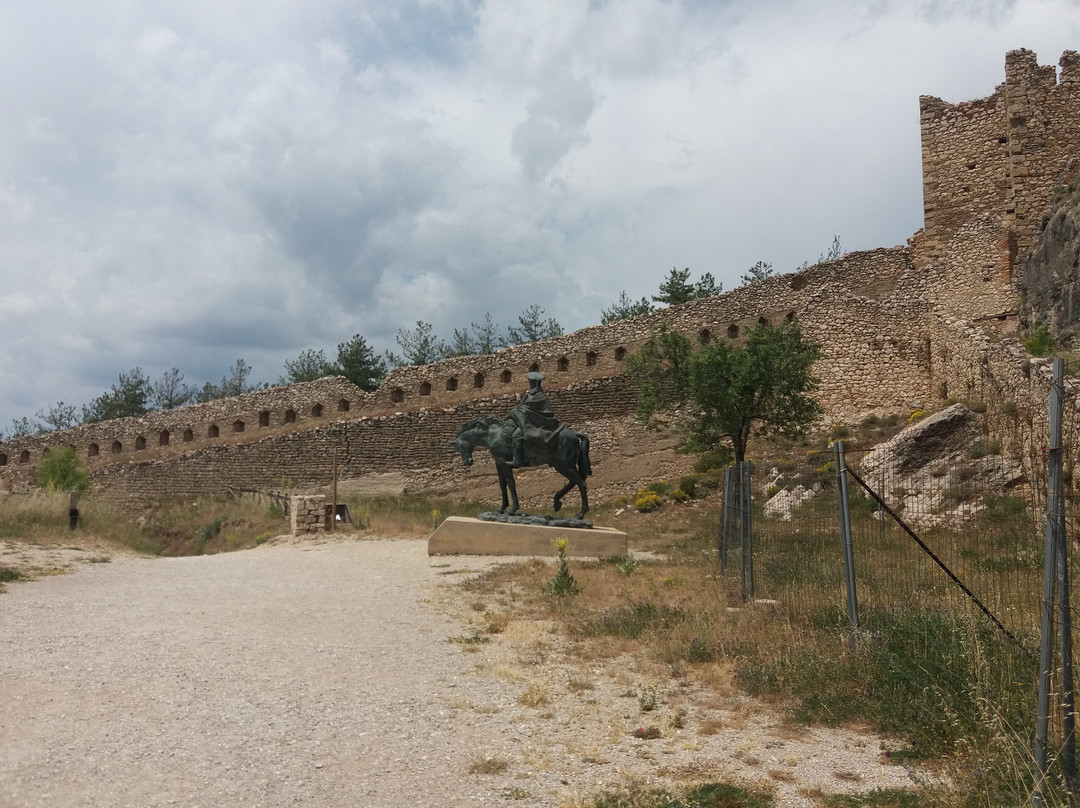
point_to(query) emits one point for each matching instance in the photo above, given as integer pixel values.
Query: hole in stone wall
(212, 431)
(790, 317)
(140, 443)
(534, 367)
(290, 416)
(451, 383)
(733, 331)
(264, 418)
(763, 321)
(343, 405)
(506, 377)
(163, 438)
(590, 359)
(478, 380)
(93, 450)
(24, 457)
(189, 436)
(238, 426)
(563, 364)
(704, 335)
(397, 395)
(425, 389)
(117, 447)
(316, 411)
(3, 459)
(620, 354)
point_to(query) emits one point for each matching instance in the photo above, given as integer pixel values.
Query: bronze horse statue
(564, 450)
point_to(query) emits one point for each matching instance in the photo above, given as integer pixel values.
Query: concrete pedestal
(460, 535)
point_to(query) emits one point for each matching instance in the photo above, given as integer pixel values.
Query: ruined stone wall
(1000, 156)
(226, 420)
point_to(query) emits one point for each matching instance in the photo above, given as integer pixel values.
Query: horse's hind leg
(506, 480)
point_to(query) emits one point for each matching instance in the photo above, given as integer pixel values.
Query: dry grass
(488, 765)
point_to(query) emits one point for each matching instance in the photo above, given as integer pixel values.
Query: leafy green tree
(677, 289)
(21, 427)
(726, 391)
(170, 392)
(461, 343)
(129, 397)
(707, 286)
(358, 363)
(307, 367)
(758, 272)
(235, 384)
(624, 308)
(485, 339)
(59, 416)
(61, 470)
(419, 346)
(532, 327)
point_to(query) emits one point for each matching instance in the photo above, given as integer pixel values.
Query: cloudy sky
(186, 182)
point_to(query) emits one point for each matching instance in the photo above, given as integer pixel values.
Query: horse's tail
(584, 465)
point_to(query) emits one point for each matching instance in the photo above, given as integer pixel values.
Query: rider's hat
(534, 376)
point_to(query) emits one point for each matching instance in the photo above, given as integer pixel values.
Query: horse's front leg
(583, 488)
(562, 493)
(512, 485)
(502, 488)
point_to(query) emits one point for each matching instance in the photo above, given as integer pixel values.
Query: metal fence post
(845, 536)
(1055, 556)
(725, 519)
(745, 525)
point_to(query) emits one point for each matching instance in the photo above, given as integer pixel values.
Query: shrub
(60, 470)
(661, 487)
(563, 583)
(678, 495)
(647, 501)
(714, 459)
(1040, 341)
(839, 432)
(689, 484)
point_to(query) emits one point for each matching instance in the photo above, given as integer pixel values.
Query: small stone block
(460, 535)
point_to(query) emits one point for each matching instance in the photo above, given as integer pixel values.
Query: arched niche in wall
(290, 416)
(343, 405)
(763, 321)
(316, 411)
(3, 459)
(238, 425)
(425, 388)
(117, 447)
(534, 367)
(563, 364)
(733, 331)
(397, 395)
(790, 317)
(590, 359)
(620, 354)
(212, 431)
(506, 377)
(704, 335)
(478, 381)
(264, 418)
(163, 437)
(451, 384)
(24, 456)
(140, 443)
(189, 436)
(93, 450)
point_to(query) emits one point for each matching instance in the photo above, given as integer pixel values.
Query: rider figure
(535, 424)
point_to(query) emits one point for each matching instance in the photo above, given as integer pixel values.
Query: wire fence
(938, 520)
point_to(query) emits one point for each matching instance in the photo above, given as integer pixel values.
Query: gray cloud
(182, 184)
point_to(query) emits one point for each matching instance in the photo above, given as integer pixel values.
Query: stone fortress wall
(901, 328)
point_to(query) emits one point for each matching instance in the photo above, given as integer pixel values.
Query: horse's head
(463, 445)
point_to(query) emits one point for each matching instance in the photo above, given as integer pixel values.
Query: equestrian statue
(530, 435)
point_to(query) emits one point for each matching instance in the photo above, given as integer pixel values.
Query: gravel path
(320, 674)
